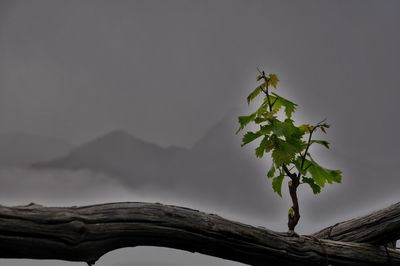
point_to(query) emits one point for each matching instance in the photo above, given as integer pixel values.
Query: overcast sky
(167, 71)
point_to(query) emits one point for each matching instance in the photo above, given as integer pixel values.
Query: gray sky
(167, 71)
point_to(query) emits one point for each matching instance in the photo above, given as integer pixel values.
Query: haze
(176, 74)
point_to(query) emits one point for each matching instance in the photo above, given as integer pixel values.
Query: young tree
(288, 144)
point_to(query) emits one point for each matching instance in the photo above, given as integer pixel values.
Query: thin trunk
(293, 219)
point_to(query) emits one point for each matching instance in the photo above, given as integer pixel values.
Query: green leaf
(324, 126)
(245, 120)
(260, 119)
(263, 113)
(255, 93)
(270, 144)
(281, 128)
(273, 80)
(277, 184)
(249, 137)
(266, 144)
(321, 142)
(305, 128)
(283, 152)
(271, 171)
(297, 163)
(259, 151)
(276, 106)
(266, 129)
(297, 143)
(318, 174)
(290, 107)
(261, 148)
(315, 188)
(322, 175)
(285, 128)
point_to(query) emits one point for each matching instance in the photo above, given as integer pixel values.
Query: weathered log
(87, 233)
(379, 227)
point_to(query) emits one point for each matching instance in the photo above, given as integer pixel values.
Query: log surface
(379, 227)
(86, 233)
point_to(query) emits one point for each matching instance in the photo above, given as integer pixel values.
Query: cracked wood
(86, 233)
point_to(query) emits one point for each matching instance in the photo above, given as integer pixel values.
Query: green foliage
(244, 120)
(273, 80)
(255, 93)
(322, 175)
(315, 188)
(277, 184)
(277, 102)
(287, 143)
(249, 137)
(271, 171)
(321, 142)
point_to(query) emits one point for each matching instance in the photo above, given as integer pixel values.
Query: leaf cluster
(287, 143)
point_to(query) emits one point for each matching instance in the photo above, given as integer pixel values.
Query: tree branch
(288, 173)
(87, 233)
(379, 227)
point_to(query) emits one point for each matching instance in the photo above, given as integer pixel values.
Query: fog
(176, 74)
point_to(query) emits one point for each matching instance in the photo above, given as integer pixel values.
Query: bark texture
(380, 227)
(87, 233)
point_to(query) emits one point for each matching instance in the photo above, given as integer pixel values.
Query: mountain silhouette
(214, 171)
(217, 172)
(118, 153)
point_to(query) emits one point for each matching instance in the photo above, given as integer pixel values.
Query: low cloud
(20, 186)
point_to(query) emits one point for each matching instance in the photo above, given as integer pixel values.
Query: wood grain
(86, 233)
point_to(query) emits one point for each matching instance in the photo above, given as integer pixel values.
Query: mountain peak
(119, 133)
(115, 140)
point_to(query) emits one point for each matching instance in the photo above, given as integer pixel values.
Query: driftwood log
(86, 233)
(380, 227)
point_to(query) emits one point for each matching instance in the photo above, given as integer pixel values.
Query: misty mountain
(214, 171)
(21, 149)
(217, 172)
(122, 155)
